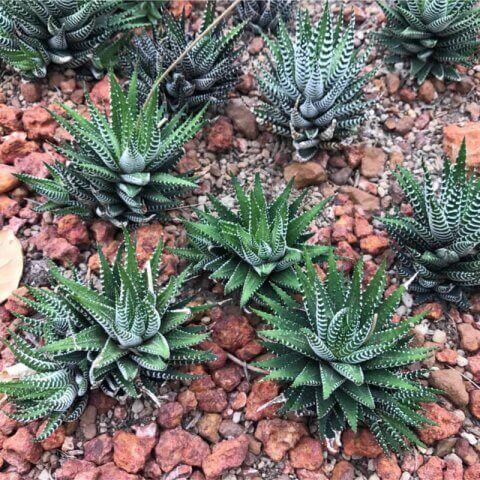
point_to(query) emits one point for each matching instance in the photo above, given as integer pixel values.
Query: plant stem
(159, 80)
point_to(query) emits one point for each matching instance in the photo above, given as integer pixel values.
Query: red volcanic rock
(73, 229)
(261, 393)
(220, 135)
(343, 229)
(474, 404)
(8, 206)
(453, 136)
(307, 454)
(228, 377)
(219, 352)
(212, 401)
(148, 238)
(10, 118)
(465, 451)
(16, 146)
(279, 436)
(432, 470)
(177, 447)
(427, 92)
(343, 471)
(387, 467)
(305, 174)
(374, 244)
(373, 162)
(170, 414)
(368, 201)
(208, 426)
(39, 124)
(55, 440)
(188, 400)
(100, 94)
(472, 472)
(110, 471)
(453, 467)
(34, 164)
(362, 227)
(130, 452)
(447, 424)
(434, 310)
(250, 351)
(204, 382)
(15, 304)
(362, 444)
(225, 455)
(61, 250)
(102, 231)
(72, 467)
(232, 332)
(31, 91)
(447, 355)
(469, 337)
(99, 450)
(22, 443)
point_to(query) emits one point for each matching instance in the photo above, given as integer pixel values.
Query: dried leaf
(11, 263)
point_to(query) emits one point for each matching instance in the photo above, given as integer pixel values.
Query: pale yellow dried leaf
(11, 263)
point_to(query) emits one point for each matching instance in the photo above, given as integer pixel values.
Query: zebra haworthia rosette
(342, 357)
(264, 15)
(120, 167)
(208, 72)
(121, 339)
(313, 83)
(433, 35)
(440, 243)
(37, 33)
(256, 248)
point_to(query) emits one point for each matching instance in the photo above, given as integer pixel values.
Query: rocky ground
(215, 426)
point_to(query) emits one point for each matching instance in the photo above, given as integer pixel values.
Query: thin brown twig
(159, 80)
(245, 365)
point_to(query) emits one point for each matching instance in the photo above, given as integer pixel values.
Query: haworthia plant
(120, 166)
(255, 249)
(342, 357)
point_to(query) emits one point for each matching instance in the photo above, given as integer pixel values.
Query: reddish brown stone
(220, 135)
(188, 400)
(450, 381)
(453, 136)
(472, 472)
(8, 181)
(72, 467)
(16, 146)
(31, 91)
(427, 92)
(100, 94)
(103, 231)
(447, 355)
(374, 244)
(307, 454)
(228, 377)
(10, 118)
(178, 446)
(432, 470)
(343, 471)
(305, 174)
(208, 426)
(110, 471)
(474, 404)
(99, 450)
(249, 351)
(8, 206)
(73, 229)
(362, 443)
(387, 467)
(170, 414)
(219, 352)
(7, 425)
(55, 440)
(447, 424)
(33, 164)
(15, 304)
(39, 124)
(63, 251)
(262, 392)
(232, 332)
(469, 337)
(226, 455)
(278, 436)
(212, 401)
(453, 468)
(22, 443)
(129, 452)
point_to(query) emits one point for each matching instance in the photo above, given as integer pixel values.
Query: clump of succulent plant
(439, 245)
(433, 35)
(256, 248)
(206, 75)
(120, 167)
(121, 339)
(264, 15)
(39, 33)
(343, 358)
(313, 83)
